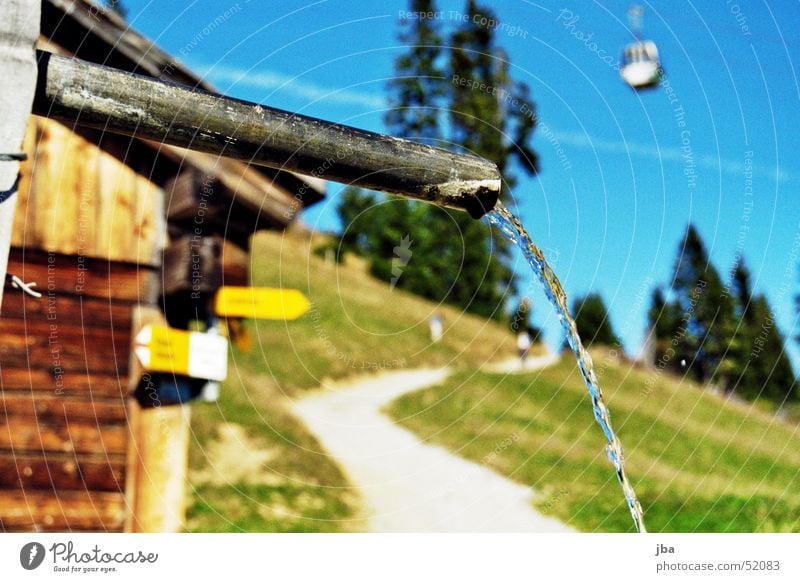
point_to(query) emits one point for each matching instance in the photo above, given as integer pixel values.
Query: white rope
(18, 283)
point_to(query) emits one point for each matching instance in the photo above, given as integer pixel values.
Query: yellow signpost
(186, 353)
(260, 303)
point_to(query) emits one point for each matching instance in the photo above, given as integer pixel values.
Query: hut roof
(96, 33)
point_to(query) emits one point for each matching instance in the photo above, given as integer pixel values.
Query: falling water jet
(511, 227)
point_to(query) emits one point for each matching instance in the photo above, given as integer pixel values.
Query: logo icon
(31, 555)
(402, 255)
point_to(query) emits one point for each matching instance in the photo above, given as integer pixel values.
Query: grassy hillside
(697, 461)
(253, 466)
(356, 325)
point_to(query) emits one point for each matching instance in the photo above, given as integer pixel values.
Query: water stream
(511, 227)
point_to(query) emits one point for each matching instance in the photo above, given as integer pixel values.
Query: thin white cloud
(665, 154)
(224, 76)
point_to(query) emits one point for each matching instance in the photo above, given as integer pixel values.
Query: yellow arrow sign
(260, 303)
(186, 353)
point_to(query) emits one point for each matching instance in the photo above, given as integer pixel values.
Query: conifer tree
(730, 339)
(453, 258)
(760, 366)
(699, 318)
(593, 321)
(663, 323)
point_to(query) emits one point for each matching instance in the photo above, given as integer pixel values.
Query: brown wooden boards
(64, 391)
(36, 510)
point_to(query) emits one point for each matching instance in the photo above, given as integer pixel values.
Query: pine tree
(453, 257)
(760, 366)
(664, 323)
(728, 339)
(593, 321)
(743, 376)
(417, 92)
(774, 376)
(481, 119)
(706, 315)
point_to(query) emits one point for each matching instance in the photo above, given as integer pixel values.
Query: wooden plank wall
(89, 231)
(64, 362)
(76, 198)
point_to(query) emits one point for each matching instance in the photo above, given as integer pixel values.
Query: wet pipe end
(483, 200)
(476, 197)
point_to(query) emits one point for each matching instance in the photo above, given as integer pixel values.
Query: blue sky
(622, 172)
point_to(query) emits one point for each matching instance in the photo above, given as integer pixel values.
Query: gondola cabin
(641, 68)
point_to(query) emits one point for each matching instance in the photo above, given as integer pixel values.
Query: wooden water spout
(90, 95)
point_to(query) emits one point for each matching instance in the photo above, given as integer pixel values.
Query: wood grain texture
(77, 199)
(48, 407)
(192, 264)
(82, 385)
(57, 274)
(62, 511)
(157, 455)
(86, 312)
(65, 436)
(61, 473)
(235, 265)
(62, 356)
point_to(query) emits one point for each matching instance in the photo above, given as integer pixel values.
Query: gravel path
(408, 485)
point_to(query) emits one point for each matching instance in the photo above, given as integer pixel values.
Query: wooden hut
(116, 233)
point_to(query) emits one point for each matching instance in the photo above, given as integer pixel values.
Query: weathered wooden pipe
(99, 97)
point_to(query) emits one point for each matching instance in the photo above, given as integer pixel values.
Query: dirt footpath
(407, 485)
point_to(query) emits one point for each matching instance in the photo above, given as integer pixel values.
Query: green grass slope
(356, 324)
(699, 463)
(253, 466)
